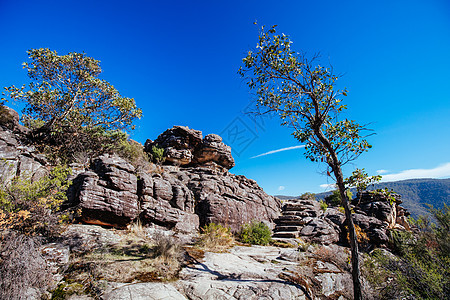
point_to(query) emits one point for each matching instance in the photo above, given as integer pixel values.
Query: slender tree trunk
(335, 165)
(356, 275)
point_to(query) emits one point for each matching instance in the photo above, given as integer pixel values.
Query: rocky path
(247, 273)
(243, 273)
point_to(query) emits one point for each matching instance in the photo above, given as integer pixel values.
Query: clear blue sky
(178, 60)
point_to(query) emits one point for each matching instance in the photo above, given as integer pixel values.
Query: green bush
(335, 198)
(308, 196)
(158, 154)
(32, 207)
(422, 268)
(323, 205)
(255, 233)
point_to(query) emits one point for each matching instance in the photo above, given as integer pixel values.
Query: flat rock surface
(243, 273)
(145, 291)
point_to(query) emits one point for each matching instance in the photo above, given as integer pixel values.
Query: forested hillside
(416, 193)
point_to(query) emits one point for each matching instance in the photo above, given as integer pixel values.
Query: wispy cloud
(328, 186)
(281, 188)
(279, 150)
(438, 172)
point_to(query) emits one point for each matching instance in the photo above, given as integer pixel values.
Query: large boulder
(231, 200)
(107, 194)
(166, 201)
(187, 147)
(179, 143)
(213, 150)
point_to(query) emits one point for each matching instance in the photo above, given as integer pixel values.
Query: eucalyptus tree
(303, 94)
(65, 97)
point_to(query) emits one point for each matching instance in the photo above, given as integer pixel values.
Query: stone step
(287, 228)
(290, 220)
(285, 234)
(297, 206)
(305, 213)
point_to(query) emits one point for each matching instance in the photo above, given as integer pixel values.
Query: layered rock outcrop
(373, 213)
(187, 147)
(107, 193)
(17, 157)
(194, 188)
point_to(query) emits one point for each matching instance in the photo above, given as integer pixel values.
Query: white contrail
(279, 150)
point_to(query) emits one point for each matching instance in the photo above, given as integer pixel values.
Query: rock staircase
(295, 214)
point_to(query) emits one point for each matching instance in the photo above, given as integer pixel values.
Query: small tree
(304, 95)
(67, 99)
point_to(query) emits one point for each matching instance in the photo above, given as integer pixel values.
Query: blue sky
(179, 61)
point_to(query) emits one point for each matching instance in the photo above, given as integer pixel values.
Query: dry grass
(215, 238)
(133, 259)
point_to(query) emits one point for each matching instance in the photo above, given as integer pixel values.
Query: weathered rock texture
(17, 157)
(187, 147)
(112, 192)
(107, 194)
(374, 214)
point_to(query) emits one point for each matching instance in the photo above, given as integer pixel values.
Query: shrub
(32, 207)
(133, 152)
(323, 205)
(168, 256)
(422, 269)
(335, 198)
(255, 233)
(22, 268)
(167, 248)
(215, 238)
(308, 196)
(158, 154)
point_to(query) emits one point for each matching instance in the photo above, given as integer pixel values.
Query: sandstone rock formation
(107, 194)
(194, 188)
(17, 157)
(187, 147)
(374, 214)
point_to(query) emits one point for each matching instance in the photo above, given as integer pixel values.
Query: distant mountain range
(416, 193)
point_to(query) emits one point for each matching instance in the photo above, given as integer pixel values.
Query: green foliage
(215, 237)
(388, 194)
(303, 94)
(255, 233)
(308, 196)
(158, 154)
(132, 151)
(32, 207)
(68, 106)
(423, 267)
(335, 198)
(323, 205)
(361, 180)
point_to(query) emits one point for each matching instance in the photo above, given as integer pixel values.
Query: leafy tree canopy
(67, 105)
(303, 94)
(65, 91)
